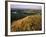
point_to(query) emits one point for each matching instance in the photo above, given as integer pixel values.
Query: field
(26, 20)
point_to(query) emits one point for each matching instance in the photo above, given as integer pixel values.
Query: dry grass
(29, 23)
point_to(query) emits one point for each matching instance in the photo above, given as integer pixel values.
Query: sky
(25, 6)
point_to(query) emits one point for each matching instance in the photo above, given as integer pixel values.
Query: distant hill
(18, 14)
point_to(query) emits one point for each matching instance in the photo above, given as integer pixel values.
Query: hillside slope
(28, 23)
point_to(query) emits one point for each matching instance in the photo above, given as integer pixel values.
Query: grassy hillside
(28, 23)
